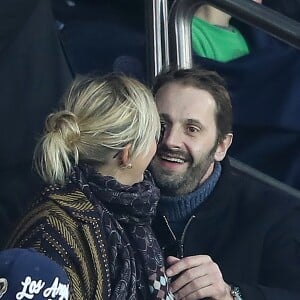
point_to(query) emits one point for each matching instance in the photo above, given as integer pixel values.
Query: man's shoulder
(245, 174)
(250, 196)
(244, 184)
(253, 186)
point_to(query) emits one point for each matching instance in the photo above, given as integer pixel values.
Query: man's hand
(197, 277)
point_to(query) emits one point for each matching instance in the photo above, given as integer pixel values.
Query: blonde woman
(94, 216)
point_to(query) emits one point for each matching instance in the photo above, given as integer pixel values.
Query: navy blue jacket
(251, 230)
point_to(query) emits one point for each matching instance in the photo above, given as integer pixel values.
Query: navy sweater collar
(177, 208)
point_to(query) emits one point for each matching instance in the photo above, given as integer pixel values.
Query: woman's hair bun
(65, 124)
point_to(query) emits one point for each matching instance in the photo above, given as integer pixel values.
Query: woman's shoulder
(56, 209)
(65, 197)
(71, 203)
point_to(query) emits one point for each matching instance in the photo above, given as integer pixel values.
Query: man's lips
(178, 160)
(171, 163)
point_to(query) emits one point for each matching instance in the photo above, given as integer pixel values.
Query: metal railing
(157, 36)
(169, 30)
(262, 177)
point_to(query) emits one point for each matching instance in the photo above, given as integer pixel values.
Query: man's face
(186, 155)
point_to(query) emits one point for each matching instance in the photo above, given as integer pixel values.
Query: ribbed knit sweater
(178, 209)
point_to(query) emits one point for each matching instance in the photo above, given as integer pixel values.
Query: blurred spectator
(214, 37)
(28, 274)
(96, 33)
(33, 75)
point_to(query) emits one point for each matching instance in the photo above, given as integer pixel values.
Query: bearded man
(225, 234)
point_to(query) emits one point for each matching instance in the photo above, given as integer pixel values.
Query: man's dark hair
(206, 80)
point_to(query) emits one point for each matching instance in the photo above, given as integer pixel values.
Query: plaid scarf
(136, 262)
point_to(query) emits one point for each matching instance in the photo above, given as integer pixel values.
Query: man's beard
(179, 184)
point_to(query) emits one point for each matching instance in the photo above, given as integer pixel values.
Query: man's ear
(223, 146)
(125, 156)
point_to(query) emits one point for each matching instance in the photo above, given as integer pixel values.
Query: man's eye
(162, 132)
(192, 129)
(163, 124)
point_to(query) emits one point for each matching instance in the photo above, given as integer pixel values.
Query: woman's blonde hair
(100, 116)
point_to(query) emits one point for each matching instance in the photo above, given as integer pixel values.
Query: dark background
(44, 43)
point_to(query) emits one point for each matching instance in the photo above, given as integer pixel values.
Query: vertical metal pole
(181, 14)
(157, 37)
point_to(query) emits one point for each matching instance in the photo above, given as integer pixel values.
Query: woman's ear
(125, 156)
(223, 146)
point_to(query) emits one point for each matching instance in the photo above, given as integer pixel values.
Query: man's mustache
(164, 150)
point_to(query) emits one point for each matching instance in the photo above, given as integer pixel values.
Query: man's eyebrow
(194, 122)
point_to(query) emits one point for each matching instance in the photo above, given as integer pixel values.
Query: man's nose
(173, 137)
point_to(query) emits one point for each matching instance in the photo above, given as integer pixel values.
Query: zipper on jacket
(179, 242)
